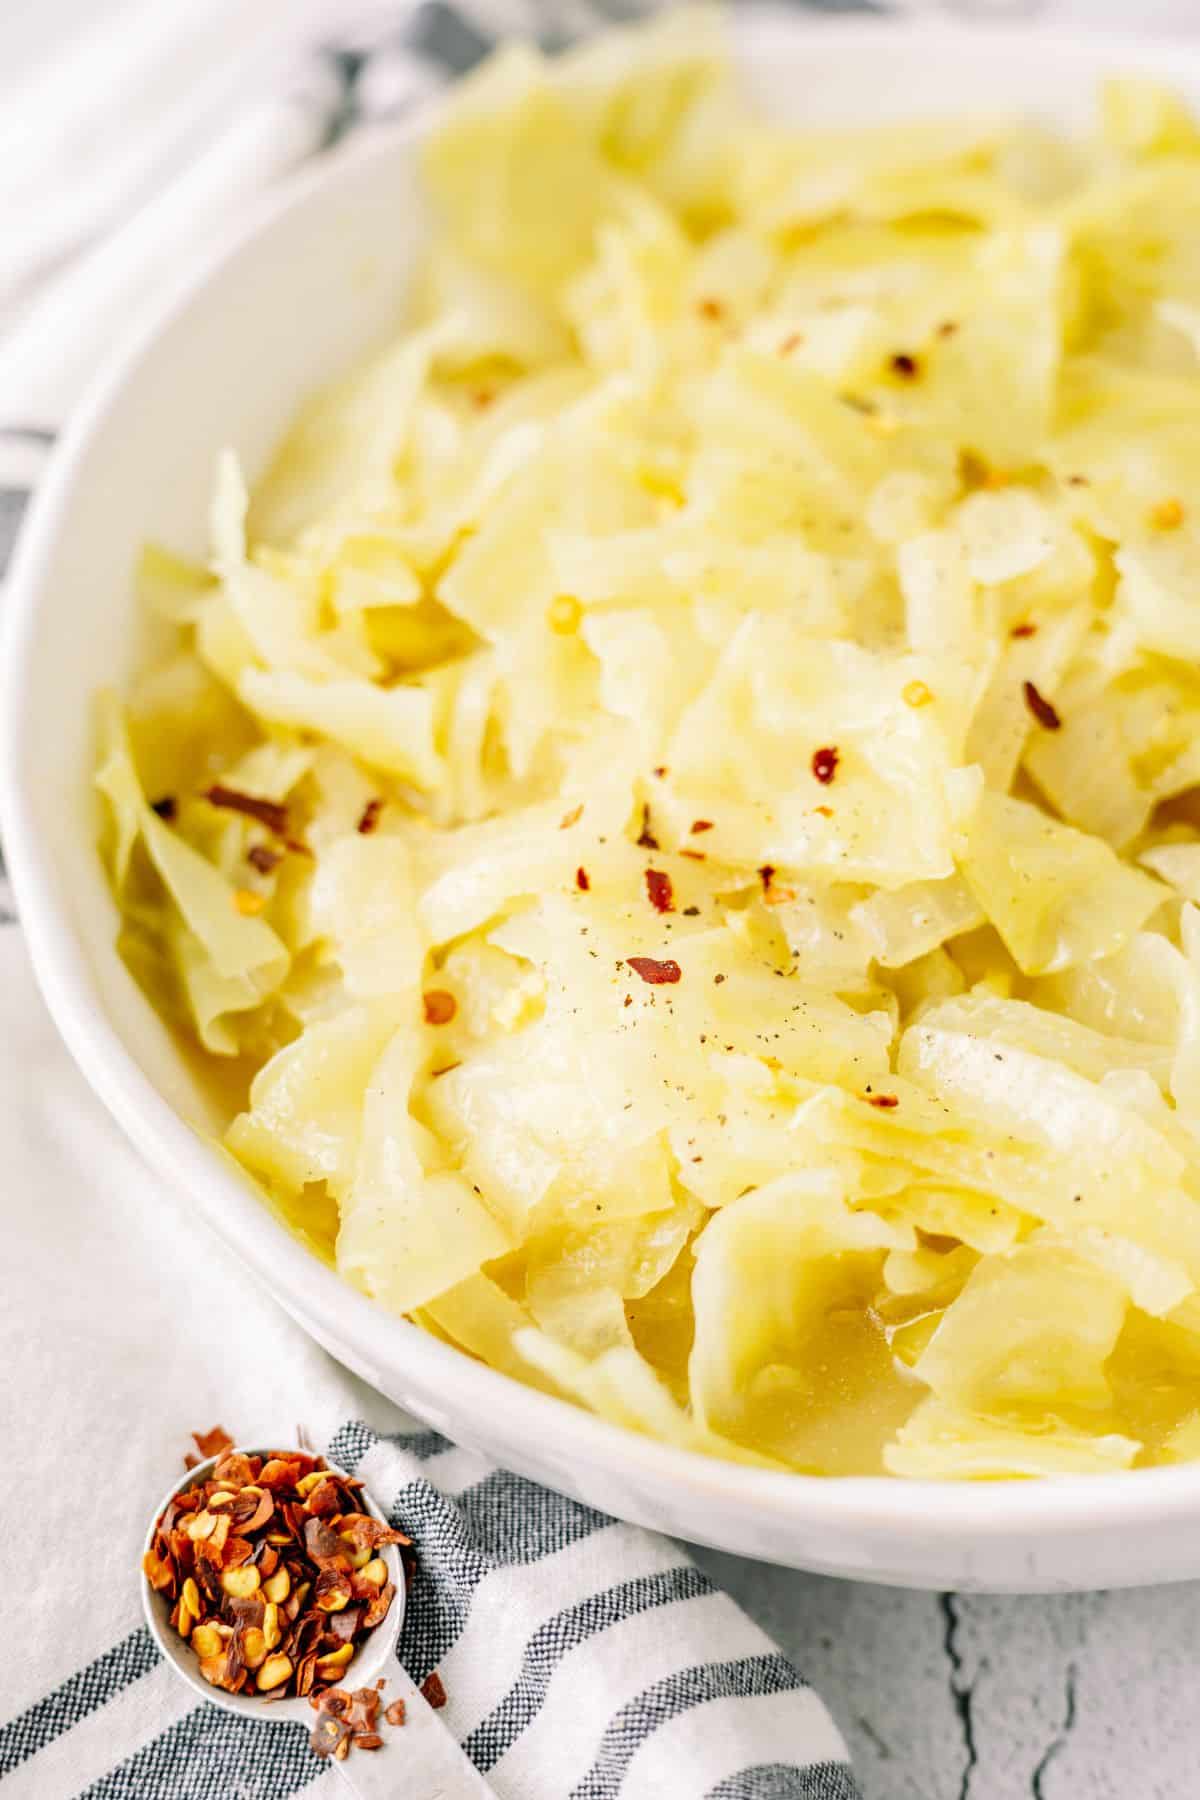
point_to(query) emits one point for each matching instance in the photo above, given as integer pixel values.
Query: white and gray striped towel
(581, 1657)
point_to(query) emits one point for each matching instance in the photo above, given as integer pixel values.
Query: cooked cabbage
(675, 803)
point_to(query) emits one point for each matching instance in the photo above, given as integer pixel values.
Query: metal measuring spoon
(425, 1761)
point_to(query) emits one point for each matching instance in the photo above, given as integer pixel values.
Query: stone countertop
(986, 1697)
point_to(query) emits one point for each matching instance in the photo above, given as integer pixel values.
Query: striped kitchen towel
(580, 1656)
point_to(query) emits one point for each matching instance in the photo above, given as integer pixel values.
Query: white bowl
(318, 279)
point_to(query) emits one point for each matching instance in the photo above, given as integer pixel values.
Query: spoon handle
(430, 1763)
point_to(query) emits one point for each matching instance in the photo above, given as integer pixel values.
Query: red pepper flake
(824, 764)
(165, 808)
(905, 365)
(582, 880)
(433, 1692)
(658, 887)
(213, 1442)
(440, 1007)
(628, 1000)
(263, 858)
(691, 912)
(661, 771)
(699, 825)
(647, 839)
(792, 342)
(1024, 630)
(717, 980)
(772, 895)
(571, 818)
(947, 328)
(345, 1721)
(369, 818)
(1078, 481)
(826, 812)
(268, 812)
(885, 1102)
(657, 974)
(1040, 707)
(284, 1515)
(711, 309)
(693, 855)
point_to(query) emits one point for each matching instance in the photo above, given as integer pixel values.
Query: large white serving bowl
(318, 280)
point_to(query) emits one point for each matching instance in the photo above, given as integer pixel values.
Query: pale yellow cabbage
(675, 801)
(408, 1232)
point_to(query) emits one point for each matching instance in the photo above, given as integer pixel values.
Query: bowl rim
(881, 1505)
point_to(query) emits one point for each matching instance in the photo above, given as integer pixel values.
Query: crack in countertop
(1056, 1743)
(961, 1692)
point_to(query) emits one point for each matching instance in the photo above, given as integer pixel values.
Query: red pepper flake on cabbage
(657, 974)
(440, 1007)
(824, 764)
(263, 858)
(268, 812)
(658, 887)
(1040, 707)
(646, 838)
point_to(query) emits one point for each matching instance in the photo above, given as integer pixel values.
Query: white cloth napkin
(581, 1657)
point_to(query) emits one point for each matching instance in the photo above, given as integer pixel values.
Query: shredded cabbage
(675, 799)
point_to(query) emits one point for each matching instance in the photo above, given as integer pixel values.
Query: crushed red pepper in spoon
(273, 1570)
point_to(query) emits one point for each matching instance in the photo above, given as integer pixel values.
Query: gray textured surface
(973, 1697)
